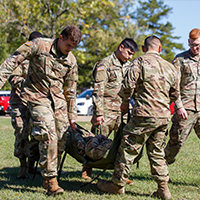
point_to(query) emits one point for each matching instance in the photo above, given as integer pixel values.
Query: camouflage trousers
(111, 123)
(179, 132)
(25, 145)
(49, 127)
(138, 132)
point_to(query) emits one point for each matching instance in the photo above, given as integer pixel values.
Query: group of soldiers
(45, 111)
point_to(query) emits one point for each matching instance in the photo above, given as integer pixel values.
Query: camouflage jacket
(49, 74)
(108, 75)
(189, 72)
(16, 80)
(87, 144)
(153, 83)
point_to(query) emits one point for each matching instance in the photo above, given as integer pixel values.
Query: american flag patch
(175, 60)
(101, 68)
(28, 43)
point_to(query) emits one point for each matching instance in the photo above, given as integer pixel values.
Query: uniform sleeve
(100, 80)
(70, 85)
(16, 79)
(174, 92)
(177, 65)
(129, 82)
(9, 65)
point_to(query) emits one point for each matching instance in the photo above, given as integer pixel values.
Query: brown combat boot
(129, 182)
(109, 186)
(23, 170)
(52, 184)
(45, 183)
(86, 173)
(163, 191)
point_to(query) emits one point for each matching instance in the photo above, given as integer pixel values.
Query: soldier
(187, 107)
(88, 145)
(108, 75)
(52, 70)
(153, 84)
(20, 119)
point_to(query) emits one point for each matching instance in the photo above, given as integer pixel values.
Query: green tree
(20, 17)
(151, 15)
(6, 86)
(103, 30)
(103, 24)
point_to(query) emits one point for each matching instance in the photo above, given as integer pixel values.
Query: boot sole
(58, 191)
(99, 185)
(130, 183)
(86, 178)
(155, 194)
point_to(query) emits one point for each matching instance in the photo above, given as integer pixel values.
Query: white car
(84, 103)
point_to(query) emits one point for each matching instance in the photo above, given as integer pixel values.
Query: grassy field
(184, 174)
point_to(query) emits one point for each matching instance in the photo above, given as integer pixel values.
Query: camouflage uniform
(50, 72)
(189, 69)
(153, 83)
(88, 145)
(20, 116)
(108, 75)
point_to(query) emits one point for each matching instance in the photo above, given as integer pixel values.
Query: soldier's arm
(174, 92)
(11, 63)
(129, 82)
(70, 84)
(177, 100)
(16, 79)
(100, 80)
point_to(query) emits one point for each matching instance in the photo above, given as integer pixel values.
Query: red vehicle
(4, 101)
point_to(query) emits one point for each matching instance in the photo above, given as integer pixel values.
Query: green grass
(185, 173)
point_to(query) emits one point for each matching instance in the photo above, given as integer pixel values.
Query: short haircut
(152, 42)
(35, 34)
(194, 33)
(129, 43)
(73, 33)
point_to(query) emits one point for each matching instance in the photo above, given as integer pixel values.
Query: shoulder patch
(174, 61)
(101, 68)
(28, 43)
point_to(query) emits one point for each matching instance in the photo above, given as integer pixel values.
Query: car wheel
(90, 111)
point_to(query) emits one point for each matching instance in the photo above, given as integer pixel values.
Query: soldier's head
(34, 35)
(152, 43)
(68, 39)
(194, 41)
(126, 49)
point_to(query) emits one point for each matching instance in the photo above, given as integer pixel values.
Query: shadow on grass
(70, 182)
(92, 188)
(107, 175)
(9, 180)
(183, 183)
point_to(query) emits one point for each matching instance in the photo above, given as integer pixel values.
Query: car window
(86, 92)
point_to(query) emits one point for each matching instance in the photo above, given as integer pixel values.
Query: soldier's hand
(98, 120)
(72, 124)
(124, 107)
(182, 113)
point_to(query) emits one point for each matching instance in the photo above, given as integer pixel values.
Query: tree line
(103, 23)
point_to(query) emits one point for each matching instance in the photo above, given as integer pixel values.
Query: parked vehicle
(4, 101)
(8, 110)
(84, 103)
(85, 106)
